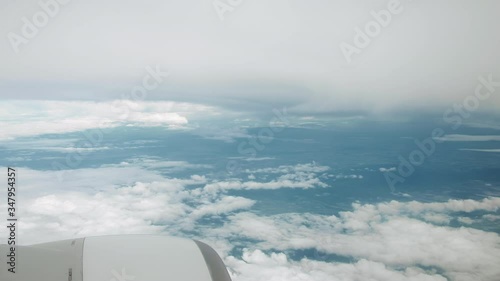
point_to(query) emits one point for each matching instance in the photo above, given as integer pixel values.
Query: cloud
(465, 220)
(303, 176)
(88, 203)
(481, 150)
(465, 138)
(436, 218)
(342, 176)
(491, 217)
(285, 169)
(385, 170)
(274, 184)
(260, 159)
(384, 233)
(32, 118)
(311, 74)
(385, 241)
(257, 266)
(159, 164)
(227, 204)
(452, 205)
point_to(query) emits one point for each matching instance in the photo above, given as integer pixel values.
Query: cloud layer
(38, 117)
(297, 60)
(385, 241)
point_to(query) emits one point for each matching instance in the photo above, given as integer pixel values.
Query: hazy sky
(277, 52)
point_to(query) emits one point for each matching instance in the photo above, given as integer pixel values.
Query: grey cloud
(279, 52)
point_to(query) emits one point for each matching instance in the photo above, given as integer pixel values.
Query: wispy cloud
(481, 150)
(465, 138)
(31, 118)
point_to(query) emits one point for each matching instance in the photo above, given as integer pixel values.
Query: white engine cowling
(115, 258)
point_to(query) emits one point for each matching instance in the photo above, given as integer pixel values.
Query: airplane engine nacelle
(114, 258)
